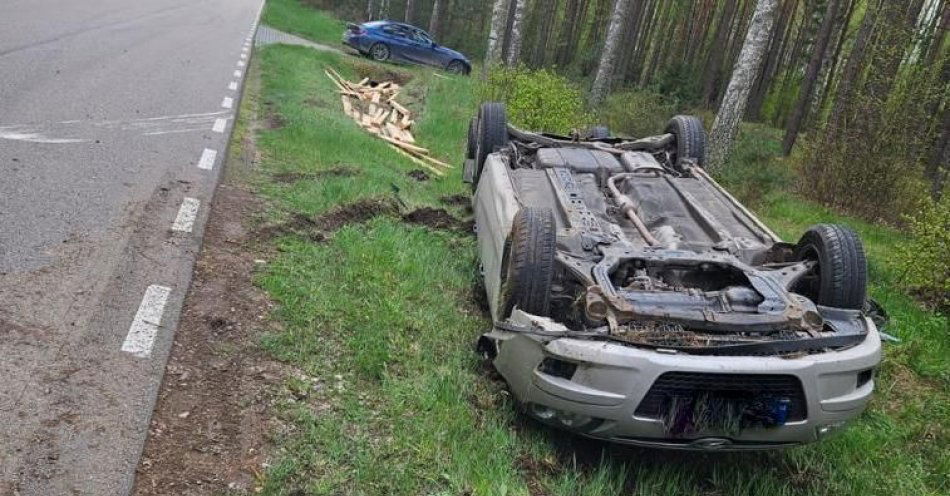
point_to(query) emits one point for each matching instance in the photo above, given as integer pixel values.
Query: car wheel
(529, 263)
(379, 52)
(599, 132)
(840, 277)
(690, 140)
(492, 134)
(457, 67)
(472, 138)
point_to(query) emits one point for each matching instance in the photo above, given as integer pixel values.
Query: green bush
(925, 257)
(755, 169)
(636, 113)
(538, 100)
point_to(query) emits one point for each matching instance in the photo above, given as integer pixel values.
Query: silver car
(635, 300)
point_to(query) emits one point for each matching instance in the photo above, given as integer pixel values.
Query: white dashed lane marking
(185, 221)
(232, 85)
(243, 55)
(240, 63)
(206, 161)
(147, 322)
(237, 74)
(219, 125)
(228, 102)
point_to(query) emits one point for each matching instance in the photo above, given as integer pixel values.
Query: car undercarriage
(630, 244)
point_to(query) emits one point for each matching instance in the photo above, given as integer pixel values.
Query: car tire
(841, 275)
(599, 132)
(492, 134)
(472, 138)
(457, 67)
(690, 140)
(380, 52)
(529, 262)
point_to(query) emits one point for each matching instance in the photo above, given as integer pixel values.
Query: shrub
(755, 170)
(637, 113)
(537, 100)
(925, 257)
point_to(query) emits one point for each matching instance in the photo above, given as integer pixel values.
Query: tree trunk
(781, 31)
(383, 9)
(546, 10)
(370, 10)
(747, 66)
(852, 69)
(807, 89)
(714, 62)
(499, 17)
(408, 16)
(514, 48)
(435, 23)
(608, 58)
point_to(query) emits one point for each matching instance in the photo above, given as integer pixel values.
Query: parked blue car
(399, 42)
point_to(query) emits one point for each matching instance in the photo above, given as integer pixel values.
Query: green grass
(378, 321)
(293, 17)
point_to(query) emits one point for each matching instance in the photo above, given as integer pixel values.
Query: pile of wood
(374, 107)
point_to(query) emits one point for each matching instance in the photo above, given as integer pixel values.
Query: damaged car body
(635, 300)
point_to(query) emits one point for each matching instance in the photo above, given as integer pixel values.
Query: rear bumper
(611, 380)
(353, 41)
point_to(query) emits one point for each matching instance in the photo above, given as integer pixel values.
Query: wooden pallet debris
(374, 107)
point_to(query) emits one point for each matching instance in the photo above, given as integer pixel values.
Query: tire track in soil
(210, 427)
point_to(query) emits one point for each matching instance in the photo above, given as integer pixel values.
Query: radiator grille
(724, 386)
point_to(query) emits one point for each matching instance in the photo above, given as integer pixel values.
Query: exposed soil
(461, 201)
(321, 228)
(419, 175)
(438, 218)
(292, 177)
(380, 74)
(209, 430)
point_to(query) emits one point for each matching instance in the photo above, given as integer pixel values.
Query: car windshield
(421, 37)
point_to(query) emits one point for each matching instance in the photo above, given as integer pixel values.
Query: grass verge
(379, 320)
(293, 17)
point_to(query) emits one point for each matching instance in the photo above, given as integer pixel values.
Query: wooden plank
(407, 146)
(419, 162)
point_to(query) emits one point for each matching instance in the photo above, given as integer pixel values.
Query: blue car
(399, 42)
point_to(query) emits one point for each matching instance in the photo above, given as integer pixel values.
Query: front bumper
(612, 379)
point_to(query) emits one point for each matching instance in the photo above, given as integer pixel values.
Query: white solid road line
(147, 321)
(237, 74)
(219, 125)
(232, 85)
(206, 161)
(185, 221)
(228, 102)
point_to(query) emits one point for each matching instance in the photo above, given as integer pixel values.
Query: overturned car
(635, 300)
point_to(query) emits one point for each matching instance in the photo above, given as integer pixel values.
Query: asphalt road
(114, 120)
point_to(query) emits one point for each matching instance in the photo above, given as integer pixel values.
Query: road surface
(114, 120)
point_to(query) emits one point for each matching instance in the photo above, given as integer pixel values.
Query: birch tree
(435, 22)
(608, 58)
(726, 125)
(514, 47)
(499, 16)
(408, 16)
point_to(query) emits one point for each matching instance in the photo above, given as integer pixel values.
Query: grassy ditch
(292, 16)
(377, 312)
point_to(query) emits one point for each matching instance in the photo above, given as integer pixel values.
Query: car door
(399, 40)
(420, 47)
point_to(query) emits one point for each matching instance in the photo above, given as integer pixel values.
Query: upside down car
(636, 301)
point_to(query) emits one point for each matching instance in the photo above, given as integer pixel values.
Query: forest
(858, 88)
